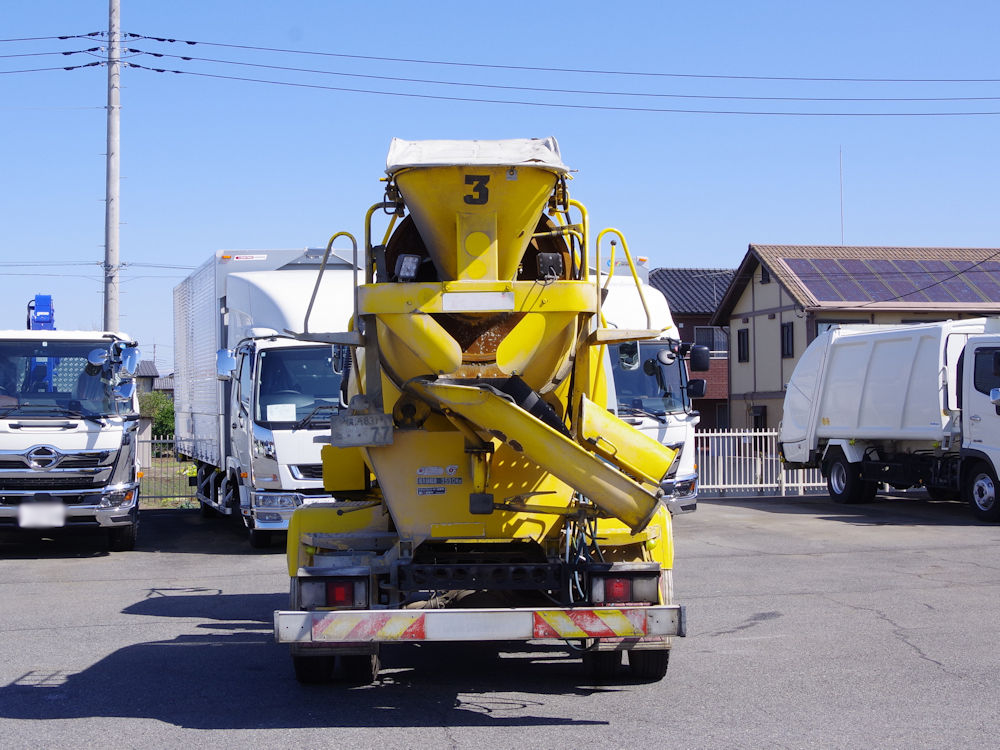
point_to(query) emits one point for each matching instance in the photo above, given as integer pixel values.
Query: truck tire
(122, 538)
(980, 490)
(649, 666)
(602, 665)
(313, 670)
(260, 539)
(843, 480)
(360, 669)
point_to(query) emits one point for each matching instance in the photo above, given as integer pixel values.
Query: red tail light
(340, 593)
(617, 590)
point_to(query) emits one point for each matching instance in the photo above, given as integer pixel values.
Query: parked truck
(483, 490)
(68, 426)
(906, 406)
(652, 387)
(249, 399)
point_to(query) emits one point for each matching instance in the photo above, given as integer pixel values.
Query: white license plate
(41, 515)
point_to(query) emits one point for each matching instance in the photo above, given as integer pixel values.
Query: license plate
(361, 430)
(41, 515)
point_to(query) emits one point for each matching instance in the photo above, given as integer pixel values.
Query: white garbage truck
(905, 406)
(68, 425)
(249, 399)
(652, 388)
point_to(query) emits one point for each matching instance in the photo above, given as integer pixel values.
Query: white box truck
(652, 389)
(68, 425)
(249, 399)
(907, 406)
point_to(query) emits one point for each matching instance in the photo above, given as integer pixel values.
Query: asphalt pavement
(810, 625)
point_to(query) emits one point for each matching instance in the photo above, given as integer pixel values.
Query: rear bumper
(385, 626)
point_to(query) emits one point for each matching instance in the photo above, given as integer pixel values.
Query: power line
(587, 92)
(43, 54)
(558, 105)
(565, 70)
(41, 70)
(61, 37)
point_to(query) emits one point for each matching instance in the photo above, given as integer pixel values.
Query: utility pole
(111, 218)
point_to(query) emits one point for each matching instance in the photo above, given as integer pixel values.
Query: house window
(787, 340)
(711, 336)
(743, 345)
(765, 275)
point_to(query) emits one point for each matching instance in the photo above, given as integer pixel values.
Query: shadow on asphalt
(242, 680)
(174, 530)
(232, 675)
(895, 509)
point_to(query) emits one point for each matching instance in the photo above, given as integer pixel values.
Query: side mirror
(130, 361)
(696, 388)
(666, 357)
(225, 363)
(97, 357)
(700, 359)
(124, 391)
(995, 396)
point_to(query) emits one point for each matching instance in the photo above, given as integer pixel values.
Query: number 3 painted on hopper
(480, 193)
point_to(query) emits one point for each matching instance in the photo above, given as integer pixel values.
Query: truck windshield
(54, 379)
(297, 386)
(643, 384)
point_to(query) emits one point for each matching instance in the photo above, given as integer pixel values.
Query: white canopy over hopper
(476, 203)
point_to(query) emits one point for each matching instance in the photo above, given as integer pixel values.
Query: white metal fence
(732, 462)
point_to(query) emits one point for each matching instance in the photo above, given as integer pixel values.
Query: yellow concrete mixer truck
(483, 490)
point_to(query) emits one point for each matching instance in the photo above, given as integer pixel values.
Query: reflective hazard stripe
(367, 626)
(589, 623)
(514, 624)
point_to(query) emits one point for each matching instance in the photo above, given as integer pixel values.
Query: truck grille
(44, 482)
(64, 499)
(309, 471)
(88, 460)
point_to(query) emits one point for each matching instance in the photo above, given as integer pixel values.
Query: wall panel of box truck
(249, 398)
(903, 406)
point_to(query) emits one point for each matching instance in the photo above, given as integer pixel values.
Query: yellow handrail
(631, 266)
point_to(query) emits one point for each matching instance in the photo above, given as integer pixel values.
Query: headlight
(116, 499)
(276, 500)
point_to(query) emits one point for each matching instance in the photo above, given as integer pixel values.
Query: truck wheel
(313, 670)
(122, 538)
(980, 490)
(649, 666)
(260, 539)
(360, 669)
(207, 511)
(602, 665)
(843, 480)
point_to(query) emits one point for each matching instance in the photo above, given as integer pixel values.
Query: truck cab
(68, 426)
(653, 393)
(282, 396)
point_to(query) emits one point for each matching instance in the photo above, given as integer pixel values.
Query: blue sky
(212, 163)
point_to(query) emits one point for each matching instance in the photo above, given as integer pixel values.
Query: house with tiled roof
(782, 296)
(694, 295)
(145, 374)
